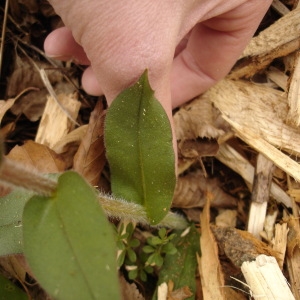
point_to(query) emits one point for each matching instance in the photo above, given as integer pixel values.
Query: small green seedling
(158, 246)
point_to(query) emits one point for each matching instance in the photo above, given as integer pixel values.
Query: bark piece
(260, 195)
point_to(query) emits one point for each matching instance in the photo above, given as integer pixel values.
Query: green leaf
(148, 249)
(9, 291)
(11, 210)
(138, 139)
(131, 255)
(169, 248)
(181, 266)
(134, 243)
(121, 258)
(69, 243)
(133, 274)
(154, 241)
(162, 232)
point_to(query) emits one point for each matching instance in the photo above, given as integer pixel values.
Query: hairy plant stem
(129, 211)
(15, 175)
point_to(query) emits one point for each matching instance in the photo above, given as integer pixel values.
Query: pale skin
(187, 45)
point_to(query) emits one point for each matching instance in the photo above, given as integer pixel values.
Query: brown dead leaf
(26, 75)
(191, 192)
(32, 104)
(90, 157)
(5, 105)
(198, 148)
(129, 290)
(38, 156)
(179, 294)
(197, 119)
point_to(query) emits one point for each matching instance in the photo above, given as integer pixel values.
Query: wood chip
(265, 279)
(281, 32)
(55, 122)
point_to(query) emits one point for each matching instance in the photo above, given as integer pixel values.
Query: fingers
(212, 49)
(90, 83)
(61, 45)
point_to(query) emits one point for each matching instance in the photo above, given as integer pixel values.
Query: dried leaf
(197, 119)
(31, 105)
(191, 192)
(5, 105)
(35, 155)
(25, 75)
(198, 148)
(178, 294)
(130, 290)
(90, 157)
(74, 137)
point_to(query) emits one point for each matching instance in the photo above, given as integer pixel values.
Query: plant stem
(14, 174)
(123, 210)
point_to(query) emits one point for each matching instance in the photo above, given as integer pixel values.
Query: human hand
(187, 46)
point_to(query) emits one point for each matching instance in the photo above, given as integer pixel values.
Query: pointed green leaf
(69, 244)
(138, 139)
(11, 210)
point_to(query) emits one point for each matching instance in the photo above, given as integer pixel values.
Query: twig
(3, 33)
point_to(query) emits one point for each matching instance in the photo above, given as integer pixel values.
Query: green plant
(60, 226)
(126, 243)
(158, 246)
